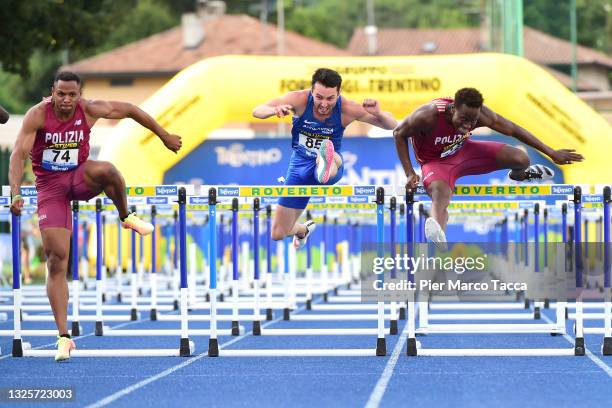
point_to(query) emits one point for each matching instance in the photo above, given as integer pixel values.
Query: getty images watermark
(493, 272)
(459, 265)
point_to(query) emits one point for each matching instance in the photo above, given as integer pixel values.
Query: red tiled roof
(539, 47)
(227, 34)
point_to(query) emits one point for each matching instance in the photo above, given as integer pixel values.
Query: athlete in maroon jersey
(55, 133)
(440, 132)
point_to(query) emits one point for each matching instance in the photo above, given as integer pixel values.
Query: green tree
(146, 18)
(593, 20)
(51, 25)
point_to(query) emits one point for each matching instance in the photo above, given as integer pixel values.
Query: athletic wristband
(15, 197)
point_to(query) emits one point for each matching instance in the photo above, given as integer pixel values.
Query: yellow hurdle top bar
(345, 191)
(331, 190)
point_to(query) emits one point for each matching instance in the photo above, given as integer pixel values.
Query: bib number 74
(60, 159)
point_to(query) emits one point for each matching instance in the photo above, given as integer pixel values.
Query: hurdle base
(99, 331)
(566, 313)
(325, 297)
(381, 347)
(17, 348)
(133, 314)
(286, 314)
(269, 314)
(579, 349)
(76, 329)
(104, 298)
(185, 349)
(537, 315)
(393, 327)
(606, 348)
(213, 348)
(153, 315)
(235, 328)
(119, 298)
(309, 304)
(175, 304)
(546, 304)
(411, 347)
(256, 328)
(402, 313)
(336, 291)
(526, 303)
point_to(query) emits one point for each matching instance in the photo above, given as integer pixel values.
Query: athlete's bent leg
(104, 176)
(514, 159)
(56, 242)
(440, 193)
(285, 223)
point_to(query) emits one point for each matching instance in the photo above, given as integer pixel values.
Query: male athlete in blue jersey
(320, 115)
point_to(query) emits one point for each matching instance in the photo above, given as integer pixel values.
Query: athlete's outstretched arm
(504, 126)
(23, 146)
(281, 107)
(123, 110)
(409, 127)
(369, 112)
(4, 115)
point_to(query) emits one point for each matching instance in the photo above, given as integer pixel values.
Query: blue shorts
(302, 172)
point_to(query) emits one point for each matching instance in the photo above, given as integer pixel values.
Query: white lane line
(383, 381)
(79, 337)
(588, 353)
(128, 390)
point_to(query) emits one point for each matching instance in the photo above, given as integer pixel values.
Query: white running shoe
(326, 158)
(435, 234)
(300, 242)
(536, 172)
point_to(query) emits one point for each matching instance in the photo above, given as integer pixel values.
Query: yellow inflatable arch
(215, 91)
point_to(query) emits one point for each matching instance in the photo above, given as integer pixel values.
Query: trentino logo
(198, 200)
(365, 190)
(317, 200)
(166, 190)
(28, 191)
(561, 189)
(592, 198)
(136, 200)
(157, 200)
(228, 191)
(358, 200)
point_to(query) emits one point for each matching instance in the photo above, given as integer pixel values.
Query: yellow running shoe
(133, 222)
(64, 347)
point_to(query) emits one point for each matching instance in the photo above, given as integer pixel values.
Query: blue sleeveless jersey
(308, 132)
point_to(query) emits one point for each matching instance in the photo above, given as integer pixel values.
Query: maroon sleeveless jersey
(60, 145)
(443, 142)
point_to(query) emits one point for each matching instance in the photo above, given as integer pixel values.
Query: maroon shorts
(474, 157)
(55, 191)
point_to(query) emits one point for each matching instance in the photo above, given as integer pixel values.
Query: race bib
(310, 143)
(452, 149)
(60, 159)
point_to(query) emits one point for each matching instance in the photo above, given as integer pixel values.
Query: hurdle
(557, 327)
(20, 349)
(578, 349)
(380, 331)
(606, 346)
